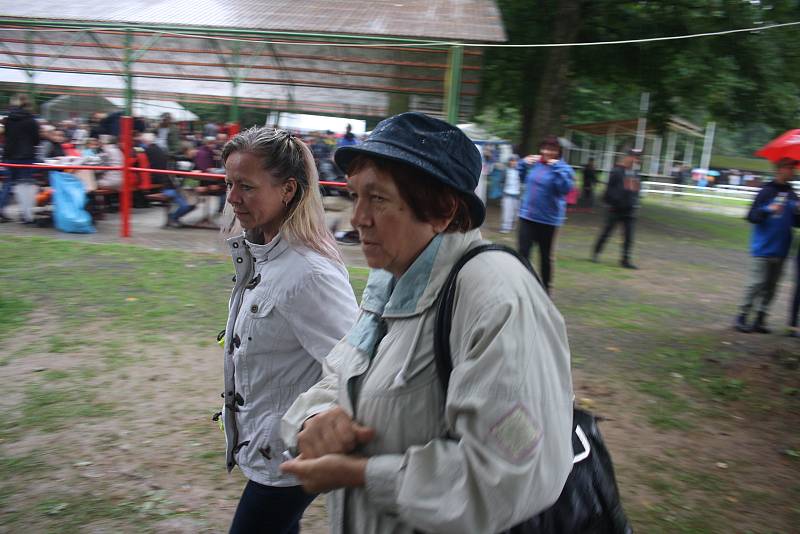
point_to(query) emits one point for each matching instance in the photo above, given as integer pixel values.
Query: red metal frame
(126, 193)
(125, 196)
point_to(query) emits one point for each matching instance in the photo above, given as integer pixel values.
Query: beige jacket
(509, 405)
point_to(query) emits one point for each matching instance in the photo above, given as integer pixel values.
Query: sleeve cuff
(293, 420)
(383, 480)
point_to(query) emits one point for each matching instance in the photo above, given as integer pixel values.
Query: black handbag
(589, 501)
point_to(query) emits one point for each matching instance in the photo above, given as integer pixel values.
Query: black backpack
(589, 501)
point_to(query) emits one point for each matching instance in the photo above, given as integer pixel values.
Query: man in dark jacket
(772, 215)
(22, 136)
(622, 197)
(158, 159)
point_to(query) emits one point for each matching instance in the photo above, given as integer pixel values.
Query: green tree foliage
(745, 81)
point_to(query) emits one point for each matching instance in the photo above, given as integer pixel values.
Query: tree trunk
(548, 98)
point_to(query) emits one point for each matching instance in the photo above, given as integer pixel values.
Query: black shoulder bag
(589, 501)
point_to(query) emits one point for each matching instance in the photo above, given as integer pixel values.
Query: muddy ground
(107, 425)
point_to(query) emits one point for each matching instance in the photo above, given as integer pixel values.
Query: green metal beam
(201, 31)
(64, 48)
(108, 56)
(452, 89)
(30, 71)
(235, 80)
(143, 50)
(13, 56)
(201, 78)
(128, 66)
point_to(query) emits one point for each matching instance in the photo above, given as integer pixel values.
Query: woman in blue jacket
(548, 179)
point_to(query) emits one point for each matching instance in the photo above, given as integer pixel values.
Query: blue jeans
(270, 510)
(13, 175)
(183, 206)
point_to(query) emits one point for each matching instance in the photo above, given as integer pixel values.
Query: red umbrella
(785, 146)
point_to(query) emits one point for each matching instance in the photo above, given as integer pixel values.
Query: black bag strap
(444, 309)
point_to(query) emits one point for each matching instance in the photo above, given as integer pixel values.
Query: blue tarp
(69, 199)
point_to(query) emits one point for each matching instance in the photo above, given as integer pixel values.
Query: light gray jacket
(509, 404)
(289, 307)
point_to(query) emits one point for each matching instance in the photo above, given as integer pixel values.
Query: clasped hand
(325, 442)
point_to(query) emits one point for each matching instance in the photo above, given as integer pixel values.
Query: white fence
(736, 193)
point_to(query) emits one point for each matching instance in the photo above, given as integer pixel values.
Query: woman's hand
(331, 432)
(330, 472)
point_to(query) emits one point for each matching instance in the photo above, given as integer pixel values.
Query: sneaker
(628, 265)
(4, 219)
(740, 325)
(760, 326)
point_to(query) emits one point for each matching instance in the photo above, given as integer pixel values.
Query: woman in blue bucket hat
(397, 450)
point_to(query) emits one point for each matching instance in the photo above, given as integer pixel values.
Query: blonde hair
(285, 157)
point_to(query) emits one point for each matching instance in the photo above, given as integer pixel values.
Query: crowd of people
(352, 400)
(162, 144)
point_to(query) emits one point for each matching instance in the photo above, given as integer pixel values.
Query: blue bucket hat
(436, 148)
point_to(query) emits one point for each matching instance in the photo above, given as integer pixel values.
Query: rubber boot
(760, 326)
(741, 324)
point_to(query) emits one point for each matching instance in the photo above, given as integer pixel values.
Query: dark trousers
(612, 218)
(13, 176)
(270, 510)
(544, 235)
(793, 313)
(765, 273)
(588, 197)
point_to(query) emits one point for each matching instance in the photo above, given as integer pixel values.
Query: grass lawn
(111, 372)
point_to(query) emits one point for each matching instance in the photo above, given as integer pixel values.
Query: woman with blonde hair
(291, 303)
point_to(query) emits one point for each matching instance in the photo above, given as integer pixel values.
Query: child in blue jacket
(772, 215)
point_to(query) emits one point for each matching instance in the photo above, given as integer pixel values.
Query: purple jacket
(204, 159)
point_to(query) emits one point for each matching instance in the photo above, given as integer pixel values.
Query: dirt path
(109, 430)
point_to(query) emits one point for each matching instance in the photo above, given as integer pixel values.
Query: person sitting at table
(158, 159)
(92, 148)
(204, 157)
(111, 156)
(205, 161)
(54, 144)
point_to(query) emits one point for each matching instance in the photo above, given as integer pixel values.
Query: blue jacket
(772, 233)
(546, 188)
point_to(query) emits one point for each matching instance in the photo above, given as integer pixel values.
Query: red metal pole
(126, 146)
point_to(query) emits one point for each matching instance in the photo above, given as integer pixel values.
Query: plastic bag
(69, 199)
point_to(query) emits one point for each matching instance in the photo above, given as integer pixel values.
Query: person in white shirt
(511, 193)
(291, 303)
